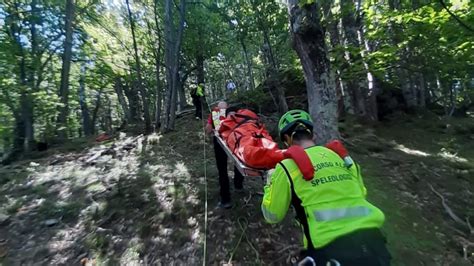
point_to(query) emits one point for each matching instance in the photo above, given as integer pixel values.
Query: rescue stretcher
(243, 169)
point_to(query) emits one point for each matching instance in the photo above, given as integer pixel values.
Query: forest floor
(140, 200)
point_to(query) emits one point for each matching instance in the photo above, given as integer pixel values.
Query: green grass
(67, 211)
(13, 208)
(417, 235)
(405, 229)
(97, 242)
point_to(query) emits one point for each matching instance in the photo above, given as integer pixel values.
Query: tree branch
(48, 44)
(455, 17)
(41, 69)
(448, 209)
(109, 32)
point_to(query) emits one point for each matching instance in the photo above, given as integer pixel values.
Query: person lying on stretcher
(250, 142)
(236, 128)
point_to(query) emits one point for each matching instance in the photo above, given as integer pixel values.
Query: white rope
(205, 189)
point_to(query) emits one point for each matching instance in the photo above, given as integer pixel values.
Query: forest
(95, 104)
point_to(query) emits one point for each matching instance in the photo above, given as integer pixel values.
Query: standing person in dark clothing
(213, 122)
(197, 94)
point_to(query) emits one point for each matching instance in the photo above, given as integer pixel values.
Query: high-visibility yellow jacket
(200, 91)
(331, 205)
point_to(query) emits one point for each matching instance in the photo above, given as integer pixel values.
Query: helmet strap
(290, 139)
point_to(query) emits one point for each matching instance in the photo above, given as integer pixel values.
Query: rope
(205, 189)
(239, 220)
(242, 235)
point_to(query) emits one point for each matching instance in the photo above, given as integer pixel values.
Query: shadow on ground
(141, 200)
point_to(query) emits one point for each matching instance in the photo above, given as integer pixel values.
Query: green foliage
(254, 99)
(427, 39)
(236, 40)
(6, 128)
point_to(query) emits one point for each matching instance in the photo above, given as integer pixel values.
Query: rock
(4, 218)
(408, 194)
(51, 222)
(3, 248)
(103, 231)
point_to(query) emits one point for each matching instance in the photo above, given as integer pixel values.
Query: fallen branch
(287, 256)
(112, 150)
(247, 200)
(469, 225)
(427, 169)
(184, 113)
(416, 178)
(288, 247)
(449, 210)
(95, 156)
(465, 245)
(456, 230)
(390, 160)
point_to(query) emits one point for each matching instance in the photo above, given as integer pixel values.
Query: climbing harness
(309, 261)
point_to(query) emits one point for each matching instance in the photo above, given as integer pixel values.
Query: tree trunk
(179, 37)
(67, 55)
(422, 91)
(26, 108)
(200, 67)
(373, 82)
(108, 116)
(181, 93)
(335, 40)
(121, 98)
(95, 112)
(133, 102)
(279, 92)
(251, 80)
(86, 119)
(26, 103)
(308, 37)
(405, 83)
(158, 95)
(169, 46)
(24, 120)
(357, 83)
(269, 49)
(34, 45)
(141, 89)
(173, 45)
(407, 89)
(158, 88)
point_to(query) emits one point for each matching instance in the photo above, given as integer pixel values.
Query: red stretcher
(243, 169)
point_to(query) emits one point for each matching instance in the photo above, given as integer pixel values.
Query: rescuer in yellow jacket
(339, 225)
(197, 95)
